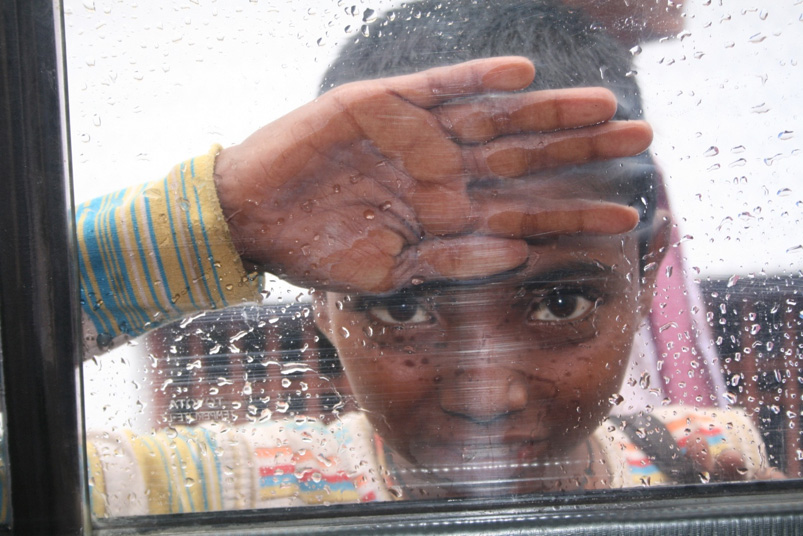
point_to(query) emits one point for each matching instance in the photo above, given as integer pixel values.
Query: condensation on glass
(605, 359)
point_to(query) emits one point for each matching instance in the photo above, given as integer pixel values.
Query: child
(481, 256)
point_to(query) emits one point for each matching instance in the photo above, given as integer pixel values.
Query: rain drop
(616, 399)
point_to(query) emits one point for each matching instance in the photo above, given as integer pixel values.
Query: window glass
(437, 286)
(5, 473)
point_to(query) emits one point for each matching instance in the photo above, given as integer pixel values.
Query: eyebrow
(572, 272)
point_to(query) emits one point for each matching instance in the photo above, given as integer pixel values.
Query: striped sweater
(156, 252)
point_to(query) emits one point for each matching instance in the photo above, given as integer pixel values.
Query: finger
(698, 453)
(460, 258)
(515, 156)
(539, 111)
(553, 217)
(435, 86)
(770, 473)
(730, 465)
(409, 136)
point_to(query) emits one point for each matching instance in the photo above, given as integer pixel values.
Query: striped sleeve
(174, 470)
(155, 252)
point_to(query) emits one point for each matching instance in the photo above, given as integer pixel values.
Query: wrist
(228, 189)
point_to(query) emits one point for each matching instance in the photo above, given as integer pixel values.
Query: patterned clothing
(722, 429)
(303, 462)
(154, 253)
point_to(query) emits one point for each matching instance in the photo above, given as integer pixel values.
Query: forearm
(156, 252)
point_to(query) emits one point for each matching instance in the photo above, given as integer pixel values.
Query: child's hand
(366, 187)
(726, 466)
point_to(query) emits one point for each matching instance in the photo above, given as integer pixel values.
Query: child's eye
(400, 310)
(562, 306)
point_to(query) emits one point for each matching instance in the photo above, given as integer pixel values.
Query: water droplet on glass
(757, 38)
(705, 477)
(616, 399)
(668, 325)
(644, 381)
(344, 332)
(369, 214)
(385, 206)
(636, 50)
(733, 280)
(711, 151)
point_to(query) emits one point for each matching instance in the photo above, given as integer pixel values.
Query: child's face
(517, 369)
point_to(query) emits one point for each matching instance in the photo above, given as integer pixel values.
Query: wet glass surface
(477, 310)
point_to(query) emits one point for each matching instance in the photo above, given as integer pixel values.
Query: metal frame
(39, 304)
(39, 315)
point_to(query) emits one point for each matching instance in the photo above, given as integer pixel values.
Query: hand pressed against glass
(479, 383)
(366, 188)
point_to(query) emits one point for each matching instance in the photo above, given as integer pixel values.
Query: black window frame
(41, 345)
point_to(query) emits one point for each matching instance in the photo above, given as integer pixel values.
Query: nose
(483, 385)
(484, 394)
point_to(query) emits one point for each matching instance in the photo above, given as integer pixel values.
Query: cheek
(387, 374)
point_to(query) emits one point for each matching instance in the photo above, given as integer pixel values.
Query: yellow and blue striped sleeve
(156, 252)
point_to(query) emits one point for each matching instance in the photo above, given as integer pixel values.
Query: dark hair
(567, 50)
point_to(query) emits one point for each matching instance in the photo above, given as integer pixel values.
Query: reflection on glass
(493, 295)
(5, 477)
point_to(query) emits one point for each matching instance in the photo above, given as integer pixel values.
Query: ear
(657, 247)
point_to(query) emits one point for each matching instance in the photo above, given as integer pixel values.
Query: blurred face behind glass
(477, 383)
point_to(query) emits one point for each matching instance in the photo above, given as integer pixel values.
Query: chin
(475, 471)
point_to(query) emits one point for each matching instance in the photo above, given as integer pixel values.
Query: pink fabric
(684, 353)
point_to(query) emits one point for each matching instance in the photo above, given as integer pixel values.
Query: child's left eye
(562, 306)
(400, 312)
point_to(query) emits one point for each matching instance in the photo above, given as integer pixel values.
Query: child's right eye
(400, 310)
